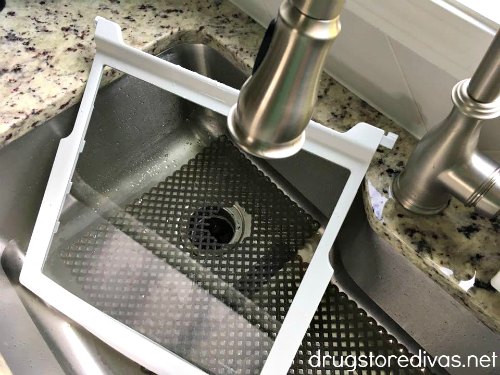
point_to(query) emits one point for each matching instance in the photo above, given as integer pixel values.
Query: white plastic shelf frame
(352, 150)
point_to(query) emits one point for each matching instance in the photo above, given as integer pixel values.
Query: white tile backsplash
(372, 72)
(431, 91)
(394, 79)
(424, 78)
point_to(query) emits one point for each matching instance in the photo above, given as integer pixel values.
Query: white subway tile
(362, 59)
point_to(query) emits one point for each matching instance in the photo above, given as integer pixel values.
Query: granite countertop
(46, 52)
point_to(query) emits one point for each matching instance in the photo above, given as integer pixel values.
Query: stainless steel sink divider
(353, 150)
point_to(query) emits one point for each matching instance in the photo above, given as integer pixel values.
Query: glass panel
(171, 230)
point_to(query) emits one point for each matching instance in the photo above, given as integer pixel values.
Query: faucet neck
(484, 85)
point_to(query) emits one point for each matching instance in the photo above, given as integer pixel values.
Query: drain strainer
(220, 311)
(215, 228)
(210, 228)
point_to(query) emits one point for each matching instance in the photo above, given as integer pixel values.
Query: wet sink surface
(151, 158)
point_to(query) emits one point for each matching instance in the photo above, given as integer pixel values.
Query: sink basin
(141, 142)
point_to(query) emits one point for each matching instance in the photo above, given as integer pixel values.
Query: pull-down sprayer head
(277, 101)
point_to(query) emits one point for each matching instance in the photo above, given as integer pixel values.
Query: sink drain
(212, 228)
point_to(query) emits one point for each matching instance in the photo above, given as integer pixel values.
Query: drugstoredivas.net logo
(421, 360)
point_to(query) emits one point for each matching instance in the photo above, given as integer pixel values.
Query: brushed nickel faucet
(276, 103)
(446, 161)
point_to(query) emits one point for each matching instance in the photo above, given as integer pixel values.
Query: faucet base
(410, 204)
(259, 148)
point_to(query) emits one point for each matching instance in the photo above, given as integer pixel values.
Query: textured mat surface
(166, 266)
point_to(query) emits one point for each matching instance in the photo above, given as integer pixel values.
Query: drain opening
(211, 227)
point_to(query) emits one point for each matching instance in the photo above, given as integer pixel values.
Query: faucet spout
(276, 103)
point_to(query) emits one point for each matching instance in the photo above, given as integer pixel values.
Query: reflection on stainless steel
(378, 200)
(446, 161)
(157, 140)
(74, 349)
(75, 344)
(19, 334)
(4, 368)
(467, 284)
(277, 101)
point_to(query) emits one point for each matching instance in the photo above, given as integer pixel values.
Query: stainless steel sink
(154, 134)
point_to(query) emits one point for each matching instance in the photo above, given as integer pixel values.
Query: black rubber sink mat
(166, 267)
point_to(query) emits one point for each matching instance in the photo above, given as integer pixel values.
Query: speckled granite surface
(46, 50)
